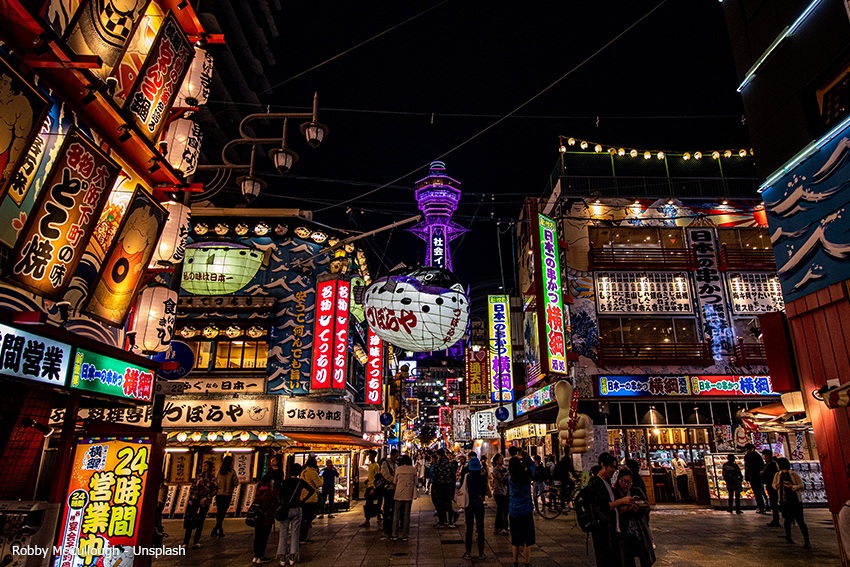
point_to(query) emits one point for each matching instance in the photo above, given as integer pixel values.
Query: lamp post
(282, 157)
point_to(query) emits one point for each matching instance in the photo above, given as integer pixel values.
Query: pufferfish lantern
(417, 309)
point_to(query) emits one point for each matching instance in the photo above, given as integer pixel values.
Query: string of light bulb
(565, 143)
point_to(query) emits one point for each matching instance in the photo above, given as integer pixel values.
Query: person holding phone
(634, 521)
(608, 543)
(789, 485)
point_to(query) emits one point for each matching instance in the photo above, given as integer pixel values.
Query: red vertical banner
(340, 350)
(323, 335)
(374, 369)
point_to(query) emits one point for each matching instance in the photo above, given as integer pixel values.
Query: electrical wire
(509, 114)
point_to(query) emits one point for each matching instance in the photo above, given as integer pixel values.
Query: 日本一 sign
(703, 385)
(32, 357)
(109, 376)
(550, 301)
(501, 356)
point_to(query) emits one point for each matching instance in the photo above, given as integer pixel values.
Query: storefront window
(748, 329)
(222, 352)
(635, 330)
(746, 238)
(624, 237)
(202, 351)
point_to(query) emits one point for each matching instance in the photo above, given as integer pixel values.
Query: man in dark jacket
(442, 489)
(753, 465)
(608, 542)
(767, 473)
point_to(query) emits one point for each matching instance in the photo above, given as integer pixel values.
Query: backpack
(541, 473)
(588, 515)
(253, 515)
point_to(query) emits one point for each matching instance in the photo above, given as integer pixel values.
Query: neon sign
(552, 321)
(502, 382)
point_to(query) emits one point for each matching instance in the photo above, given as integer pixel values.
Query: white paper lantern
(171, 248)
(183, 137)
(420, 309)
(156, 311)
(195, 90)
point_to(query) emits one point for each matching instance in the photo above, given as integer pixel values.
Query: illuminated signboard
(550, 302)
(754, 292)
(109, 376)
(103, 29)
(160, 77)
(323, 334)
(538, 399)
(374, 369)
(645, 385)
(452, 391)
(653, 293)
(104, 500)
(477, 376)
(340, 350)
(31, 357)
(219, 269)
(445, 415)
(501, 354)
(438, 247)
(709, 284)
(56, 234)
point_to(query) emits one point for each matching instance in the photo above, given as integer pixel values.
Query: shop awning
(330, 439)
(783, 416)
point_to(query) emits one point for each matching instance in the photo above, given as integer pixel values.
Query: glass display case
(342, 462)
(717, 486)
(810, 473)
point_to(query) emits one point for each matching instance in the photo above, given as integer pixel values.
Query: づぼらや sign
(223, 412)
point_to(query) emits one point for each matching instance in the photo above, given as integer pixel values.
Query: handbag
(282, 512)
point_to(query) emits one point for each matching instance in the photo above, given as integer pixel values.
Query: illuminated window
(202, 351)
(644, 330)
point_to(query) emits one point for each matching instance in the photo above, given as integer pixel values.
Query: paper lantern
(227, 436)
(181, 437)
(195, 90)
(171, 248)
(219, 269)
(156, 310)
(420, 309)
(183, 138)
(244, 436)
(196, 436)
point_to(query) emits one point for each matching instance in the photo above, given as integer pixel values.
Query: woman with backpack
(310, 475)
(405, 493)
(634, 521)
(227, 483)
(734, 479)
(262, 513)
(293, 493)
(789, 484)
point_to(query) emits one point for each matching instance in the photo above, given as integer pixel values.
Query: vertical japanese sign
(501, 354)
(323, 334)
(109, 376)
(445, 416)
(549, 300)
(477, 376)
(124, 265)
(58, 231)
(340, 350)
(438, 247)
(714, 309)
(22, 114)
(374, 369)
(159, 79)
(104, 502)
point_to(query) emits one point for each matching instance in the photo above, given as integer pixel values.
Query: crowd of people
(615, 512)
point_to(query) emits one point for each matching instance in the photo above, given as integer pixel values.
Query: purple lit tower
(437, 196)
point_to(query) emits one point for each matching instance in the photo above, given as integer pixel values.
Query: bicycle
(554, 503)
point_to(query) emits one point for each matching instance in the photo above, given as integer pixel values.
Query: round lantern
(171, 248)
(196, 436)
(156, 310)
(244, 436)
(181, 437)
(183, 137)
(419, 309)
(195, 89)
(219, 269)
(227, 436)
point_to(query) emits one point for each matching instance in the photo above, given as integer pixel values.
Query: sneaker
(283, 563)
(292, 561)
(739, 512)
(197, 546)
(505, 532)
(365, 525)
(393, 538)
(385, 537)
(255, 560)
(466, 556)
(405, 538)
(440, 525)
(261, 560)
(482, 556)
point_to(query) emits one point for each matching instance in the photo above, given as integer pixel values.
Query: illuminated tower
(437, 196)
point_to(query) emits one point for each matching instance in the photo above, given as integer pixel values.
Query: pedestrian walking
(373, 494)
(310, 475)
(268, 502)
(541, 480)
(733, 478)
(475, 490)
(406, 492)
(442, 489)
(753, 465)
(634, 521)
(227, 483)
(388, 467)
(789, 485)
(292, 494)
(499, 481)
(520, 506)
(201, 494)
(767, 473)
(680, 472)
(326, 496)
(608, 545)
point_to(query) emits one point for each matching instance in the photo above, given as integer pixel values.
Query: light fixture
(251, 186)
(562, 149)
(583, 145)
(571, 141)
(621, 152)
(727, 154)
(742, 153)
(715, 155)
(660, 155)
(633, 153)
(177, 449)
(697, 155)
(647, 154)
(669, 201)
(196, 436)
(314, 131)
(597, 148)
(232, 449)
(244, 436)
(181, 437)
(212, 436)
(262, 436)
(686, 156)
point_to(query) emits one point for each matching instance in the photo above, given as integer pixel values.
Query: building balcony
(635, 258)
(747, 354)
(746, 259)
(619, 354)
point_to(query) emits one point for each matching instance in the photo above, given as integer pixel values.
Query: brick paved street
(685, 536)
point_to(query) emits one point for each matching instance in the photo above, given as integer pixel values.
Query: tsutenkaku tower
(437, 196)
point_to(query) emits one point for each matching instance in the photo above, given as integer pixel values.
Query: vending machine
(27, 525)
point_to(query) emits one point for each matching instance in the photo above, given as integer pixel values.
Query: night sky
(427, 86)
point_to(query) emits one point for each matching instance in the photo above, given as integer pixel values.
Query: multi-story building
(793, 64)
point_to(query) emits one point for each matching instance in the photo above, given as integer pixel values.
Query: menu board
(656, 293)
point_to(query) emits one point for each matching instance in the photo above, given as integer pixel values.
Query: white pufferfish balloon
(418, 309)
